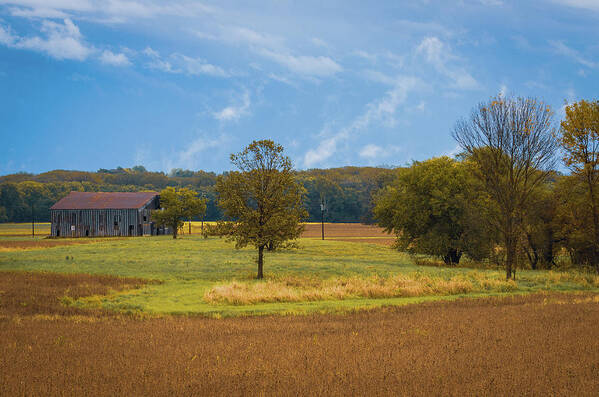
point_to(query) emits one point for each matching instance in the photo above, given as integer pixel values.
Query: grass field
(195, 275)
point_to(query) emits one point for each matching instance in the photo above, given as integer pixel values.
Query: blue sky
(88, 84)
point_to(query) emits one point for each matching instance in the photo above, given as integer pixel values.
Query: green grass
(190, 266)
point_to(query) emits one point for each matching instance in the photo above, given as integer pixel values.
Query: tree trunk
(595, 222)
(175, 231)
(260, 262)
(452, 257)
(510, 248)
(532, 254)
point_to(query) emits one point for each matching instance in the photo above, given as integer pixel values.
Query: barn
(96, 214)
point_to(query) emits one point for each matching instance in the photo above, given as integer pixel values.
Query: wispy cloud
(112, 11)
(562, 49)
(190, 156)
(182, 64)
(374, 152)
(110, 58)
(440, 56)
(59, 40)
(235, 112)
(592, 5)
(273, 47)
(382, 111)
(319, 66)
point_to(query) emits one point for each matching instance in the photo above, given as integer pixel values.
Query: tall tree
(263, 199)
(511, 143)
(178, 205)
(579, 140)
(427, 207)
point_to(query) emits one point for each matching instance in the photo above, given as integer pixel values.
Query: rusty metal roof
(103, 200)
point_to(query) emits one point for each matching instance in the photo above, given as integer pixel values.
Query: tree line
(347, 191)
(501, 199)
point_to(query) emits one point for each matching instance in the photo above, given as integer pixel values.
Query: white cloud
(319, 42)
(491, 2)
(382, 111)
(365, 55)
(235, 35)
(111, 11)
(503, 90)
(61, 41)
(110, 58)
(182, 64)
(319, 66)
(233, 113)
(273, 48)
(592, 5)
(188, 157)
(439, 55)
(37, 12)
(375, 153)
(571, 53)
(453, 152)
(6, 37)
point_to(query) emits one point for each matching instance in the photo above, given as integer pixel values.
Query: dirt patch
(344, 230)
(35, 293)
(533, 345)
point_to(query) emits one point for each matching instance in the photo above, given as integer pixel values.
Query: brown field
(20, 245)
(536, 345)
(352, 232)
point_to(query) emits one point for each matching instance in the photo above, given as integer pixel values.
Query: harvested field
(387, 241)
(539, 344)
(350, 232)
(20, 245)
(343, 230)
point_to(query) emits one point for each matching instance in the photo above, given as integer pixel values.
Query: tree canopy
(262, 199)
(177, 206)
(511, 143)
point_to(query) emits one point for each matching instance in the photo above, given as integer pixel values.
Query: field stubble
(545, 344)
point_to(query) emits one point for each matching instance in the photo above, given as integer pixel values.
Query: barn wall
(96, 223)
(104, 222)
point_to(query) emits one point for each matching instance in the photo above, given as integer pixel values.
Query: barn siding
(104, 222)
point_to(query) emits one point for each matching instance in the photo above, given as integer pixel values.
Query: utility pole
(32, 222)
(204, 197)
(322, 209)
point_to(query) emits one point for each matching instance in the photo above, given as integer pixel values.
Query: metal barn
(99, 214)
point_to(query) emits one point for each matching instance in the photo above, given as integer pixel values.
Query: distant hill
(347, 191)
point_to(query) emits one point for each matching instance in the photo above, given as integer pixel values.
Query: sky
(90, 84)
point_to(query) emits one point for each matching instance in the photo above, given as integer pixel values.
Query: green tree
(178, 205)
(580, 144)
(426, 208)
(263, 199)
(511, 142)
(539, 239)
(573, 220)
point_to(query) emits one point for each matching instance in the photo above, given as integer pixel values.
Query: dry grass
(522, 345)
(294, 289)
(25, 245)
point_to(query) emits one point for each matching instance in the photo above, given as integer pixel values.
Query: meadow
(351, 269)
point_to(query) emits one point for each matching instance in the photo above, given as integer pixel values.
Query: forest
(347, 192)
